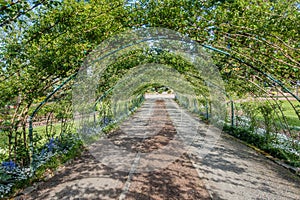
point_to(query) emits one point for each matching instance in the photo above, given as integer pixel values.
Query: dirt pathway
(149, 130)
(162, 152)
(234, 171)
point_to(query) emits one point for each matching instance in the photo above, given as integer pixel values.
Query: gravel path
(234, 171)
(163, 152)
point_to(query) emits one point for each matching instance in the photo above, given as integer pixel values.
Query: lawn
(39, 136)
(290, 114)
(287, 109)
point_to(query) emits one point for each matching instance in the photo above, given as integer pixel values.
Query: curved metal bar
(253, 67)
(140, 41)
(150, 39)
(30, 129)
(100, 99)
(230, 99)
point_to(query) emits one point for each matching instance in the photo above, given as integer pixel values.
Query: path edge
(294, 170)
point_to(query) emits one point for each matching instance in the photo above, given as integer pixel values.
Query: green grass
(39, 133)
(290, 114)
(39, 136)
(288, 111)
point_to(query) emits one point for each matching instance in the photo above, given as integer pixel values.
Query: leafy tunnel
(216, 56)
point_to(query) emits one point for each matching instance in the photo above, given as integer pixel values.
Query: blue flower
(228, 46)
(106, 121)
(51, 144)
(43, 152)
(10, 165)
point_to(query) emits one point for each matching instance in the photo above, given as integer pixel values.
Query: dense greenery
(44, 42)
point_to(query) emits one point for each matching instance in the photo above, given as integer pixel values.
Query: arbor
(37, 57)
(255, 44)
(44, 42)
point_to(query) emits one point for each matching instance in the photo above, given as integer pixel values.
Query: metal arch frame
(253, 67)
(230, 99)
(30, 129)
(138, 42)
(151, 39)
(100, 99)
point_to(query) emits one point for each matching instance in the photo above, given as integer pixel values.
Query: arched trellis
(75, 74)
(40, 105)
(231, 102)
(147, 40)
(110, 53)
(269, 77)
(255, 68)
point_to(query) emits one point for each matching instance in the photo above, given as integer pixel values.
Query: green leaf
(3, 2)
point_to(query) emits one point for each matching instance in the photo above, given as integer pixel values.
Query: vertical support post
(210, 108)
(206, 106)
(297, 87)
(30, 134)
(30, 129)
(232, 113)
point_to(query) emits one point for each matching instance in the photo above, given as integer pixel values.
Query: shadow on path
(230, 170)
(234, 171)
(88, 178)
